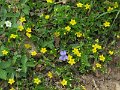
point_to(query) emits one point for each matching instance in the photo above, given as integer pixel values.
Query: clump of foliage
(45, 44)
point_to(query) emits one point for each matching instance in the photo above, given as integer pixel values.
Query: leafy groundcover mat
(51, 44)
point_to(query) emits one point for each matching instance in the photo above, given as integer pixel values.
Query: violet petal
(63, 52)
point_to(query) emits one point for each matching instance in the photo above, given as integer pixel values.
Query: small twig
(95, 84)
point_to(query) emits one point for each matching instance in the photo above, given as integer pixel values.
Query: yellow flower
(11, 81)
(79, 34)
(49, 1)
(71, 61)
(47, 16)
(20, 27)
(28, 35)
(72, 22)
(109, 9)
(43, 50)
(69, 57)
(27, 46)
(79, 4)
(22, 19)
(57, 34)
(67, 28)
(13, 36)
(111, 52)
(106, 24)
(76, 52)
(4, 52)
(63, 82)
(96, 46)
(87, 6)
(28, 30)
(37, 81)
(102, 58)
(94, 50)
(33, 53)
(98, 65)
(116, 5)
(49, 74)
(12, 88)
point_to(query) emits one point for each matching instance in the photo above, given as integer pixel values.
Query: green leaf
(14, 60)
(12, 15)
(31, 64)
(3, 13)
(6, 64)
(24, 1)
(84, 60)
(26, 10)
(24, 68)
(3, 74)
(40, 88)
(24, 65)
(24, 60)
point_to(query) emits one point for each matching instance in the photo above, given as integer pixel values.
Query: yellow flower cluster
(21, 28)
(115, 5)
(34, 53)
(71, 61)
(13, 36)
(87, 6)
(68, 28)
(95, 47)
(28, 32)
(76, 52)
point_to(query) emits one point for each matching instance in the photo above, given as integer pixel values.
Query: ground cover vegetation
(44, 44)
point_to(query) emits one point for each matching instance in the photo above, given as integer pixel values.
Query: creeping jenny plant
(44, 43)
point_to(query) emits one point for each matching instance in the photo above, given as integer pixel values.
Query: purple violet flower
(63, 56)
